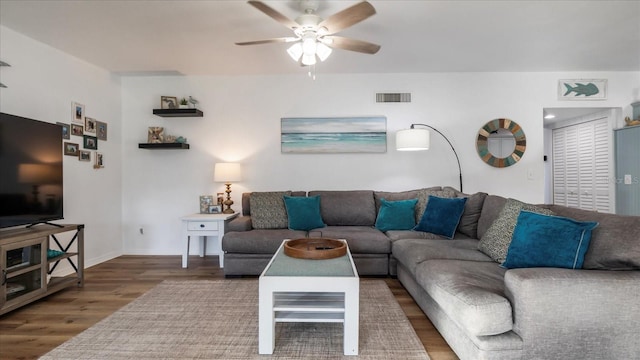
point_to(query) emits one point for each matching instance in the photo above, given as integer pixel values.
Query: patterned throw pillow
(268, 210)
(495, 242)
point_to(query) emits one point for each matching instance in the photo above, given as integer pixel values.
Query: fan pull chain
(312, 71)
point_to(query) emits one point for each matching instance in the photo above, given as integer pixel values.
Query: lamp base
(228, 202)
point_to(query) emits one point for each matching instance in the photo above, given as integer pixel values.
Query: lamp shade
(227, 172)
(413, 140)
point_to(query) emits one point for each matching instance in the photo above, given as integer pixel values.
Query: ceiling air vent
(393, 97)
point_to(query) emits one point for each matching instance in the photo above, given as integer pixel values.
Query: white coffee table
(298, 290)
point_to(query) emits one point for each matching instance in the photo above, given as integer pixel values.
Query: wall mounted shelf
(178, 112)
(163, 146)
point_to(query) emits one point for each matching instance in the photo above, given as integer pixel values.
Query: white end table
(203, 225)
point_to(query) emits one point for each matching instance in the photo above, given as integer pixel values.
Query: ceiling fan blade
(274, 14)
(269, 41)
(351, 44)
(348, 17)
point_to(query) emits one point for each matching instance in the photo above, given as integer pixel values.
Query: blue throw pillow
(548, 241)
(303, 213)
(396, 215)
(441, 216)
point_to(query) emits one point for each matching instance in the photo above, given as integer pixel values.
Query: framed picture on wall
(66, 130)
(77, 113)
(582, 89)
(84, 155)
(101, 129)
(90, 142)
(89, 125)
(99, 161)
(71, 149)
(77, 130)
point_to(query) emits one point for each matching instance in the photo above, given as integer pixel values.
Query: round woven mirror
(501, 143)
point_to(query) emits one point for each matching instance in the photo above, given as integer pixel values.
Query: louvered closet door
(581, 166)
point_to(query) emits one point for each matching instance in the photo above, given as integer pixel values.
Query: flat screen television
(30, 171)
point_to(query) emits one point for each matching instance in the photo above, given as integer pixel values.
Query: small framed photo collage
(89, 131)
(210, 205)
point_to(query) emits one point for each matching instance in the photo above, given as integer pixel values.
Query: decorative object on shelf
(89, 125)
(227, 173)
(77, 130)
(333, 135)
(99, 161)
(215, 209)
(315, 248)
(501, 143)
(184, 104)
(77, 113)
(101, 130)
(582, 89)
(2, 63)
(413, 139)
(170, 139)
(220, 198)
(84, 155)
(193, 102)
(181, 140)
(66, 130)
(71, 149)
(90, 142)
(630, 122)
(313, 36)
(205, 202)
(155, 135)
(168, 102)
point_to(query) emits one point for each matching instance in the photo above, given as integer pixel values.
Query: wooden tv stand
(26, 268)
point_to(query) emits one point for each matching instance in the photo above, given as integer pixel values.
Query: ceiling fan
(313, 36)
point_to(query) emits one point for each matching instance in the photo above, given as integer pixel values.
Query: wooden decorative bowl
(315, 248)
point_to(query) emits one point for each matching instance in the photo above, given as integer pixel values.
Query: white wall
(242, 123)
(41, 84)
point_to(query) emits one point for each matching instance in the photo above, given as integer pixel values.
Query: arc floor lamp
(414, 139)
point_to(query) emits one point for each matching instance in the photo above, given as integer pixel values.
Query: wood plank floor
(33, 330)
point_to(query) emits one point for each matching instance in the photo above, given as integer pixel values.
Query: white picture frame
(582, 89)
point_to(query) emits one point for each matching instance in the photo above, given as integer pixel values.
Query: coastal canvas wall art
(334, 135)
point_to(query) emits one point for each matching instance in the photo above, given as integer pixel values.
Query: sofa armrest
(241, 223)
(574, 312)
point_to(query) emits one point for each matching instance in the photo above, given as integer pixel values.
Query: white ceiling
(197, 37)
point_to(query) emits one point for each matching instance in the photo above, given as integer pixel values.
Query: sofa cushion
(491, 208)
(495, 242)
(258, 241)
(472, 209)
(361, 239)
(339, 208)
(412, 234)
(303, 213)
(411, 252)
(471, 293)
(246, 201)
(548, 241)
(267, 209)
(396, 215)
(615, 243)
(442, 216)
(421, 194)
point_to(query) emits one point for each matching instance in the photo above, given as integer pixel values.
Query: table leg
(203, 245)
(351, 320)
(185, 253)
(266, 322)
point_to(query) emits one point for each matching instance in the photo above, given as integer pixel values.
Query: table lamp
(227, 173)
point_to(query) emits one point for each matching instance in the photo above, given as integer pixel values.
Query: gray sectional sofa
(482, 309)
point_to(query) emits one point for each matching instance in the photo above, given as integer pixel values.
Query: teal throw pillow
(396, 215)
(303, 213)
(441, 216)
(548, 241)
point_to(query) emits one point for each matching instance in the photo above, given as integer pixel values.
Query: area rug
(218, 319)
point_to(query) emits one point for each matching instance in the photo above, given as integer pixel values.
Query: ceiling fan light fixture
(295, 51)
(323, 51)
(308, 59)
(309, 45)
